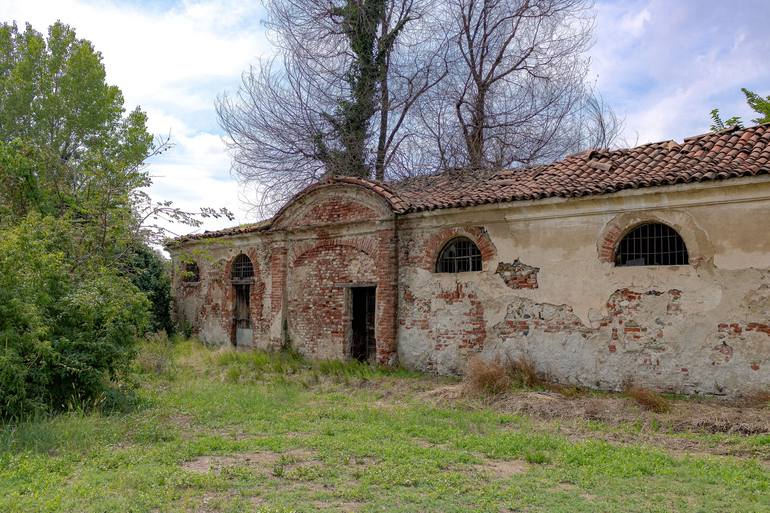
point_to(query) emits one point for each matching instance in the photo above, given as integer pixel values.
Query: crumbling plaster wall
(207, 306)
(558, 300)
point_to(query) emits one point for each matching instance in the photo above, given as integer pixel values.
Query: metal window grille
(242, 268)
(652, 244)
(191, 272)
(458, 256)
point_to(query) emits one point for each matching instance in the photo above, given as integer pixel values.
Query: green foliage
(718, 124)
(758, 104)
(65, 336)
(150, 272)
(66, 139)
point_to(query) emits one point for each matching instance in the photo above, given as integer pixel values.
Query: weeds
(487, 377)
(757, 399)
(524, 373)
(647, 399)
(494, 377)
(156, 354)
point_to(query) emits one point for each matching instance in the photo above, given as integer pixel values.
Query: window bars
(458, 256)
(191, 273)
(242, 269)
(651, 244)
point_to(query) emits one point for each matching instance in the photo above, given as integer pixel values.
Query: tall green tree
(70, 149)
(76, 224)
(82, 153)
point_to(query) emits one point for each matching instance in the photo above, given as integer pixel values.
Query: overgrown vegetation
(282, 440)
(64, 335)
(80, 281)
(497, 377)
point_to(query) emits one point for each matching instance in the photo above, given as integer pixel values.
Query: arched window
(242, 269)
(651, 244)
(458, 256)
(191, 273)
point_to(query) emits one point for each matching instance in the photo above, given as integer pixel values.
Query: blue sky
(661, 64)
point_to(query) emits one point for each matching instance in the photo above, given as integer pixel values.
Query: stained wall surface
(548, 291)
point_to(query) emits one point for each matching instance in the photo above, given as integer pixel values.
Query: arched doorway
(242, 277)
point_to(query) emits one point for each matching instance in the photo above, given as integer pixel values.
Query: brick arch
(366, 245)
(699, 247)
(436, 242)
(321, 203)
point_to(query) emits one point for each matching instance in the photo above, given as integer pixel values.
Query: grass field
(245, 431)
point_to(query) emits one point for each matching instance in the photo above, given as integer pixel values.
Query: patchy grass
(278, 434)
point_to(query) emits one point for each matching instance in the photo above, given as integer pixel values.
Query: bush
(487, 377)
(150, 272)
(648, 399)
(66, 335)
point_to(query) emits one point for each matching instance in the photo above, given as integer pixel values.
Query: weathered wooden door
(242, 317)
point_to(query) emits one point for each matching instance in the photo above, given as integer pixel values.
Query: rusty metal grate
(242, 268)
(652, 244)
(458, 256)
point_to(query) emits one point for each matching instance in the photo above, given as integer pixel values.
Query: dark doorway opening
(363, 346)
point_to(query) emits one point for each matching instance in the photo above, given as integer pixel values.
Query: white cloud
(665, 65)
(634, 23)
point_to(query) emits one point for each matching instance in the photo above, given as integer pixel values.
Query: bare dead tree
(387, 89)
(595, 125)
(338, 98)
(521, 75)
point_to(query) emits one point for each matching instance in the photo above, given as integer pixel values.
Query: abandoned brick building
(648, 265)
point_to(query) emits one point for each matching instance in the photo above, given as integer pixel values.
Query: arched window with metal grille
(242, 270)
(191, 273)
(651, 244)
(458, 256)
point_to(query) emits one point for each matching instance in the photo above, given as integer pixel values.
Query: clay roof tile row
(713, 156)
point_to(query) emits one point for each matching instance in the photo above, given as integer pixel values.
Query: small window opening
(651, 244)
(191, 273)
(458, 256)
(242, 270)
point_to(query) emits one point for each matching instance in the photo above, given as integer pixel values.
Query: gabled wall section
(334, 237)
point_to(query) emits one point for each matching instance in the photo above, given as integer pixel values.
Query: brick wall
(324, 262)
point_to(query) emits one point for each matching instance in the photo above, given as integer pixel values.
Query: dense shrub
(65, 333)
(151, 273)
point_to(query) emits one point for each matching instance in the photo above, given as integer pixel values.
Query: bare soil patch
(262, 461)
(503, 469)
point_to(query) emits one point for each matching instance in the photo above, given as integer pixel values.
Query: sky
(661, 64)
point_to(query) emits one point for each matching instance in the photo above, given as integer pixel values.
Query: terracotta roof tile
(713, 156)
(727, 154)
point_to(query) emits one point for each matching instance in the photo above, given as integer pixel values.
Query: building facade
(648, 266)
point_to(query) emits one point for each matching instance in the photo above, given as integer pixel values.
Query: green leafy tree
(70, 149)
(77, 273)
(757, 103)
